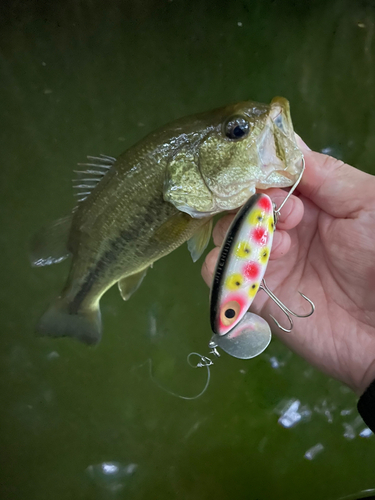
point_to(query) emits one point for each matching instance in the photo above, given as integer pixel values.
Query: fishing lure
(239, 272)
(239, 275)
(242, 263)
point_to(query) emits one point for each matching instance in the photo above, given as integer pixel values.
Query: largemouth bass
(161, 192)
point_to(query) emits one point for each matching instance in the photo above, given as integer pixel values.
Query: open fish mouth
(279, 155)
(280, 115)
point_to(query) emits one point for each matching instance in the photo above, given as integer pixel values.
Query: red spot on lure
(260, 235)
(252, 271)
(265, 203)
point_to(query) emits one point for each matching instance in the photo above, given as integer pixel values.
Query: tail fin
(57, 321)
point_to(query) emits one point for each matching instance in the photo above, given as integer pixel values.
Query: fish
(242, 263)
(161, 192)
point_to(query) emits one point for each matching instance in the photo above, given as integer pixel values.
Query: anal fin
(130, 284)
(198, 243)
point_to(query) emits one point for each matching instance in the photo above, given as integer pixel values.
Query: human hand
(328, 254)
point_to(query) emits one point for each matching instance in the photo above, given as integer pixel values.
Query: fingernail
(301, 144)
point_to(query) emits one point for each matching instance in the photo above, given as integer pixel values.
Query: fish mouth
(279, 156)
(280, 115)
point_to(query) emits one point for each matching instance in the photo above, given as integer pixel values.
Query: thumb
(334, 186)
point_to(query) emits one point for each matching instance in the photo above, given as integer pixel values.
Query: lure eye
(236, 127)
(229, 312)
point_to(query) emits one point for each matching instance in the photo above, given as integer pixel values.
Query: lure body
(242, 263)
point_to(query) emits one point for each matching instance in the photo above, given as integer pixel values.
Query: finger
(221, 228)
(292, 212)
(209, 265)
(337, 188)
(280, 245)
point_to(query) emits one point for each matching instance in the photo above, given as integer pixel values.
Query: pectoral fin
(130, 284)
(173, 229)
(198, 243)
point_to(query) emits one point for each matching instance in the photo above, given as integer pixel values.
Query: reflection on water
(111, 476)
(53, 355)
(365, 433)
(314, 451)
(351, 428)
(326, 409)
(292, 413)
(84, 78)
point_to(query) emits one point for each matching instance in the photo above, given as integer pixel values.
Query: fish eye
(236, 127)
(229, 312)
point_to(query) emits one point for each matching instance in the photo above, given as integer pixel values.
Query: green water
(79, 78)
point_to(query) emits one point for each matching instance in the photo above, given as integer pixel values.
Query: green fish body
(162, 192)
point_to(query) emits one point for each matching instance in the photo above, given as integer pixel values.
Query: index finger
(337, 188)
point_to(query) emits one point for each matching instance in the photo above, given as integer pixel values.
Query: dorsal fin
(88, 179)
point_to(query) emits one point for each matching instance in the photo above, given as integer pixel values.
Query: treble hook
(276, 212)
(263, 286)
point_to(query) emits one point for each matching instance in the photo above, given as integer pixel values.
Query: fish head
(252, 146)
(224, 155)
